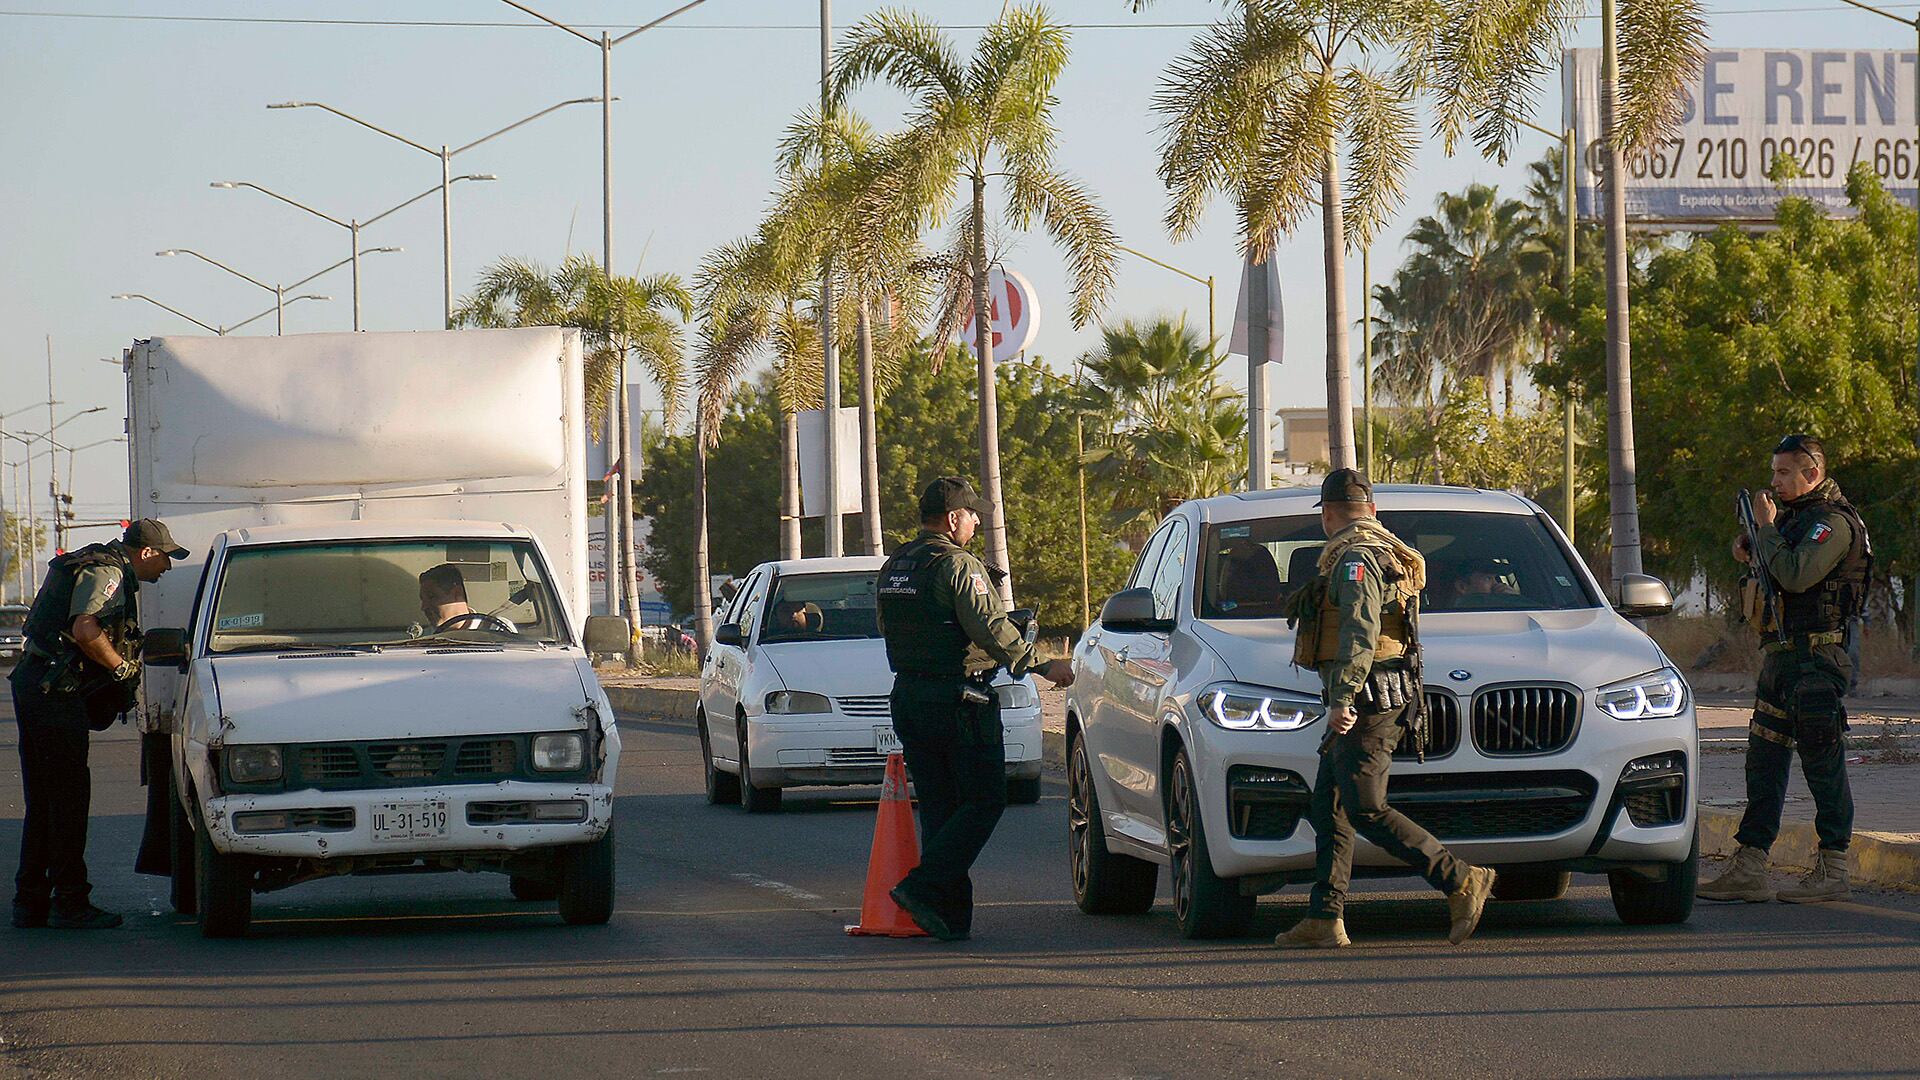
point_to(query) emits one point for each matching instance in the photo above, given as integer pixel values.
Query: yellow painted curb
(1885, 859)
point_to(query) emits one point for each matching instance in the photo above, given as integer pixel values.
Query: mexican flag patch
(1357, 571)
(1820, 533)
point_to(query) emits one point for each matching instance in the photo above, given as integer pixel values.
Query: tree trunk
(869, 440)
(789, 485)
(1509, 374)
(1622, 482)
(1341, 452)
(702, 596)
(996, 523)
(629, 580)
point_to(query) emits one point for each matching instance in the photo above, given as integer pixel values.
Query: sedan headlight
(1656, 695)
(1253, 708)
(786, 702)
(253, 764)
(566, 752)
(1018, 694)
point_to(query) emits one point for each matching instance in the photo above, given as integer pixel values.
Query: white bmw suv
(1562, 738)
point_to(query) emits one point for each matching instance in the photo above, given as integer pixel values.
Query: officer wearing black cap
(79, 672)
(1358, 625)
(943, 621)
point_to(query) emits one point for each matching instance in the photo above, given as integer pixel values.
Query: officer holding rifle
(1810, 561)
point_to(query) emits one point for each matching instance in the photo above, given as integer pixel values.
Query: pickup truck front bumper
(504, 817)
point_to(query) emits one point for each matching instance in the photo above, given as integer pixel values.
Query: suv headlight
(1656, 695)
(1253, 708)
(1018, 694)
(787, 702)
(253, 764)
(565, 752)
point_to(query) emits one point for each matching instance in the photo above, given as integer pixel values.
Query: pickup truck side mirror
(1643, 596)
(608, 634)
(730, 635)
(1131, 611)
(164, 646)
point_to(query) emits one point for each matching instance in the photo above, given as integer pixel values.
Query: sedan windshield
(822, 607)
(383, 592)
(1475, 562)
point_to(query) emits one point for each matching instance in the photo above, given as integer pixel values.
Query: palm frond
(1381, 139)
(902, 50)
(1082, 230)
(1661, 46)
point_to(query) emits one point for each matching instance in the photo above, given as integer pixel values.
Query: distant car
(794, 691)
(12, 638)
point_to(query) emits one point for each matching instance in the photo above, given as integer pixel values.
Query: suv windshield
(1475, 562)
(383, 592)
(822, 607)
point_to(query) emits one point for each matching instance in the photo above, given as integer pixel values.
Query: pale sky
(111, 129)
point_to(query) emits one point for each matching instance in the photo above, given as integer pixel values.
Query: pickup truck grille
(352, 766)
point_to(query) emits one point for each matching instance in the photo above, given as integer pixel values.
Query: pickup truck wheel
(1023, 790)
(723, 788)
(1103, 883)
(1640, 902)
(1205, 904)
(532, 889)
(181, 867)
(755, 799)
(586, 882)
(224, 887)
(1530, 883)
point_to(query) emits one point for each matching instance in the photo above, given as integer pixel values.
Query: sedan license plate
(885, 741)
(409, 820)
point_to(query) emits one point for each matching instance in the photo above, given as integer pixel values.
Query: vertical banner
(1827, 108)
(1276, 320)
(813, 462)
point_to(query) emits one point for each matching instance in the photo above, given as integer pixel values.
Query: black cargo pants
(1798, 704)
(957, 758)
(58, 788)
(1349, 796)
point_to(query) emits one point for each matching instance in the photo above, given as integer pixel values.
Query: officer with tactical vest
(1818, 555)
(80, 671)
(1358, 624)
(946, 630)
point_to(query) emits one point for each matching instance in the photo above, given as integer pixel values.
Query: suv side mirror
(730, 636)
(1132, 611)
(1643, 596)
(164, 646)
(608, 634)
(1026, 622)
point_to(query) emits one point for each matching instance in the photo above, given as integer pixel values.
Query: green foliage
(1466, 442)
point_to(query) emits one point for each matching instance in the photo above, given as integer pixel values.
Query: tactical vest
(50, 618)
(923, 638)
(1842, 594)
(1391, 645)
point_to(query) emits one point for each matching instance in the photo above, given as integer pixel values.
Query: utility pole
(829, 354)
(53, 474)
(1366, 351)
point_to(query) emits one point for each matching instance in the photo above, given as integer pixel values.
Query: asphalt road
(726, 956)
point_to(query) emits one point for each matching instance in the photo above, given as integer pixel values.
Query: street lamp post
(1566, 140)
(279, 291)
(53, 487)
(32, 545)
(445, 157)
(1212, 331)
(222, 331)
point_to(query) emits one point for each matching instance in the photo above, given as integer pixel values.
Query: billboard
(1828, 108)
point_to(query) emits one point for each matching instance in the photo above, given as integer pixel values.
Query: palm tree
(1478, 252)
(966, 118)
(620, 318)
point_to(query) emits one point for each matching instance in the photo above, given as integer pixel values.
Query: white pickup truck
(325, 715)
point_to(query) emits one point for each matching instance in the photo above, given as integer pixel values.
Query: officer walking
(946, 631)
(79, 672)
(1818, 554)
(1358, 625)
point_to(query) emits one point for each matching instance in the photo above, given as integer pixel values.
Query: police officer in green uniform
(79, 672)
(1358, 625)
(946, 630)
(1818, 554)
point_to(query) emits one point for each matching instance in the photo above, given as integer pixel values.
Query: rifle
(1769, 592)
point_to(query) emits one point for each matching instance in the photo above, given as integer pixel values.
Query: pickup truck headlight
(785, 702)
(565, 752)
(1018, 694)
(1656, 695)
(1255, 708)
(253, 764)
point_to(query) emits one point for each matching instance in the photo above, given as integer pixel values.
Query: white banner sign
(813, 462)
(1276, 316)
(1828, 108)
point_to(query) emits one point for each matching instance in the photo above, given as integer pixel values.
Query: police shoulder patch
(1820, 533)
(1356, 571)
(112, 586)
(979, 583)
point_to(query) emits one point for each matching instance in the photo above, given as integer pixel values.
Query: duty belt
(1805, 641)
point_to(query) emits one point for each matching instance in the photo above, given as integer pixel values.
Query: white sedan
(795, 690)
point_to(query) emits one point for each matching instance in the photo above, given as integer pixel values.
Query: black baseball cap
(1345, 486)
(951, 493)
(153, 533)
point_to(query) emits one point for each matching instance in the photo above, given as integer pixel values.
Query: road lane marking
(791, 892)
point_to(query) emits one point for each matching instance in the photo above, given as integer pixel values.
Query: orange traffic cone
(896, 850)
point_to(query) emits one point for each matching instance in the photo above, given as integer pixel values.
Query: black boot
(84, 917)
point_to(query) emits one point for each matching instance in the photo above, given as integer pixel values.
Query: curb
(1890, 860)
(653, 702)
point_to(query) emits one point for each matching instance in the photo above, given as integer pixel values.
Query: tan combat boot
(1745, 879)
(1826, 881)
(1315, 934)
(1466, 905)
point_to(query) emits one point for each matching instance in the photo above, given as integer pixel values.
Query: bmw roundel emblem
(1459, 674)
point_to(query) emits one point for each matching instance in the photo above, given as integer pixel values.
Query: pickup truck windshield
(822, 607)
(12, 618)
(1475, 562)
(383, 592)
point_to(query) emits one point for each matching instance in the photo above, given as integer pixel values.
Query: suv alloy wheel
(1206, 905)
(1103, 883)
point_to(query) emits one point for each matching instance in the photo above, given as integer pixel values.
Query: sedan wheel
(723, 788)
(1206, 905)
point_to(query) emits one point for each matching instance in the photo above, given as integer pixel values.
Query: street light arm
(595, 42)
(1163, 265)
(369, 125)
(163, 307)
(1557, 136)
(343, 262)
(218, 263)
(270, 311)
(28, 408)
(434, 190)
(456, 152)
(682, 9)
(1885, 14)
(274, 194)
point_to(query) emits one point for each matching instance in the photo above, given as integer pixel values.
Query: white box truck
(374, 659)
